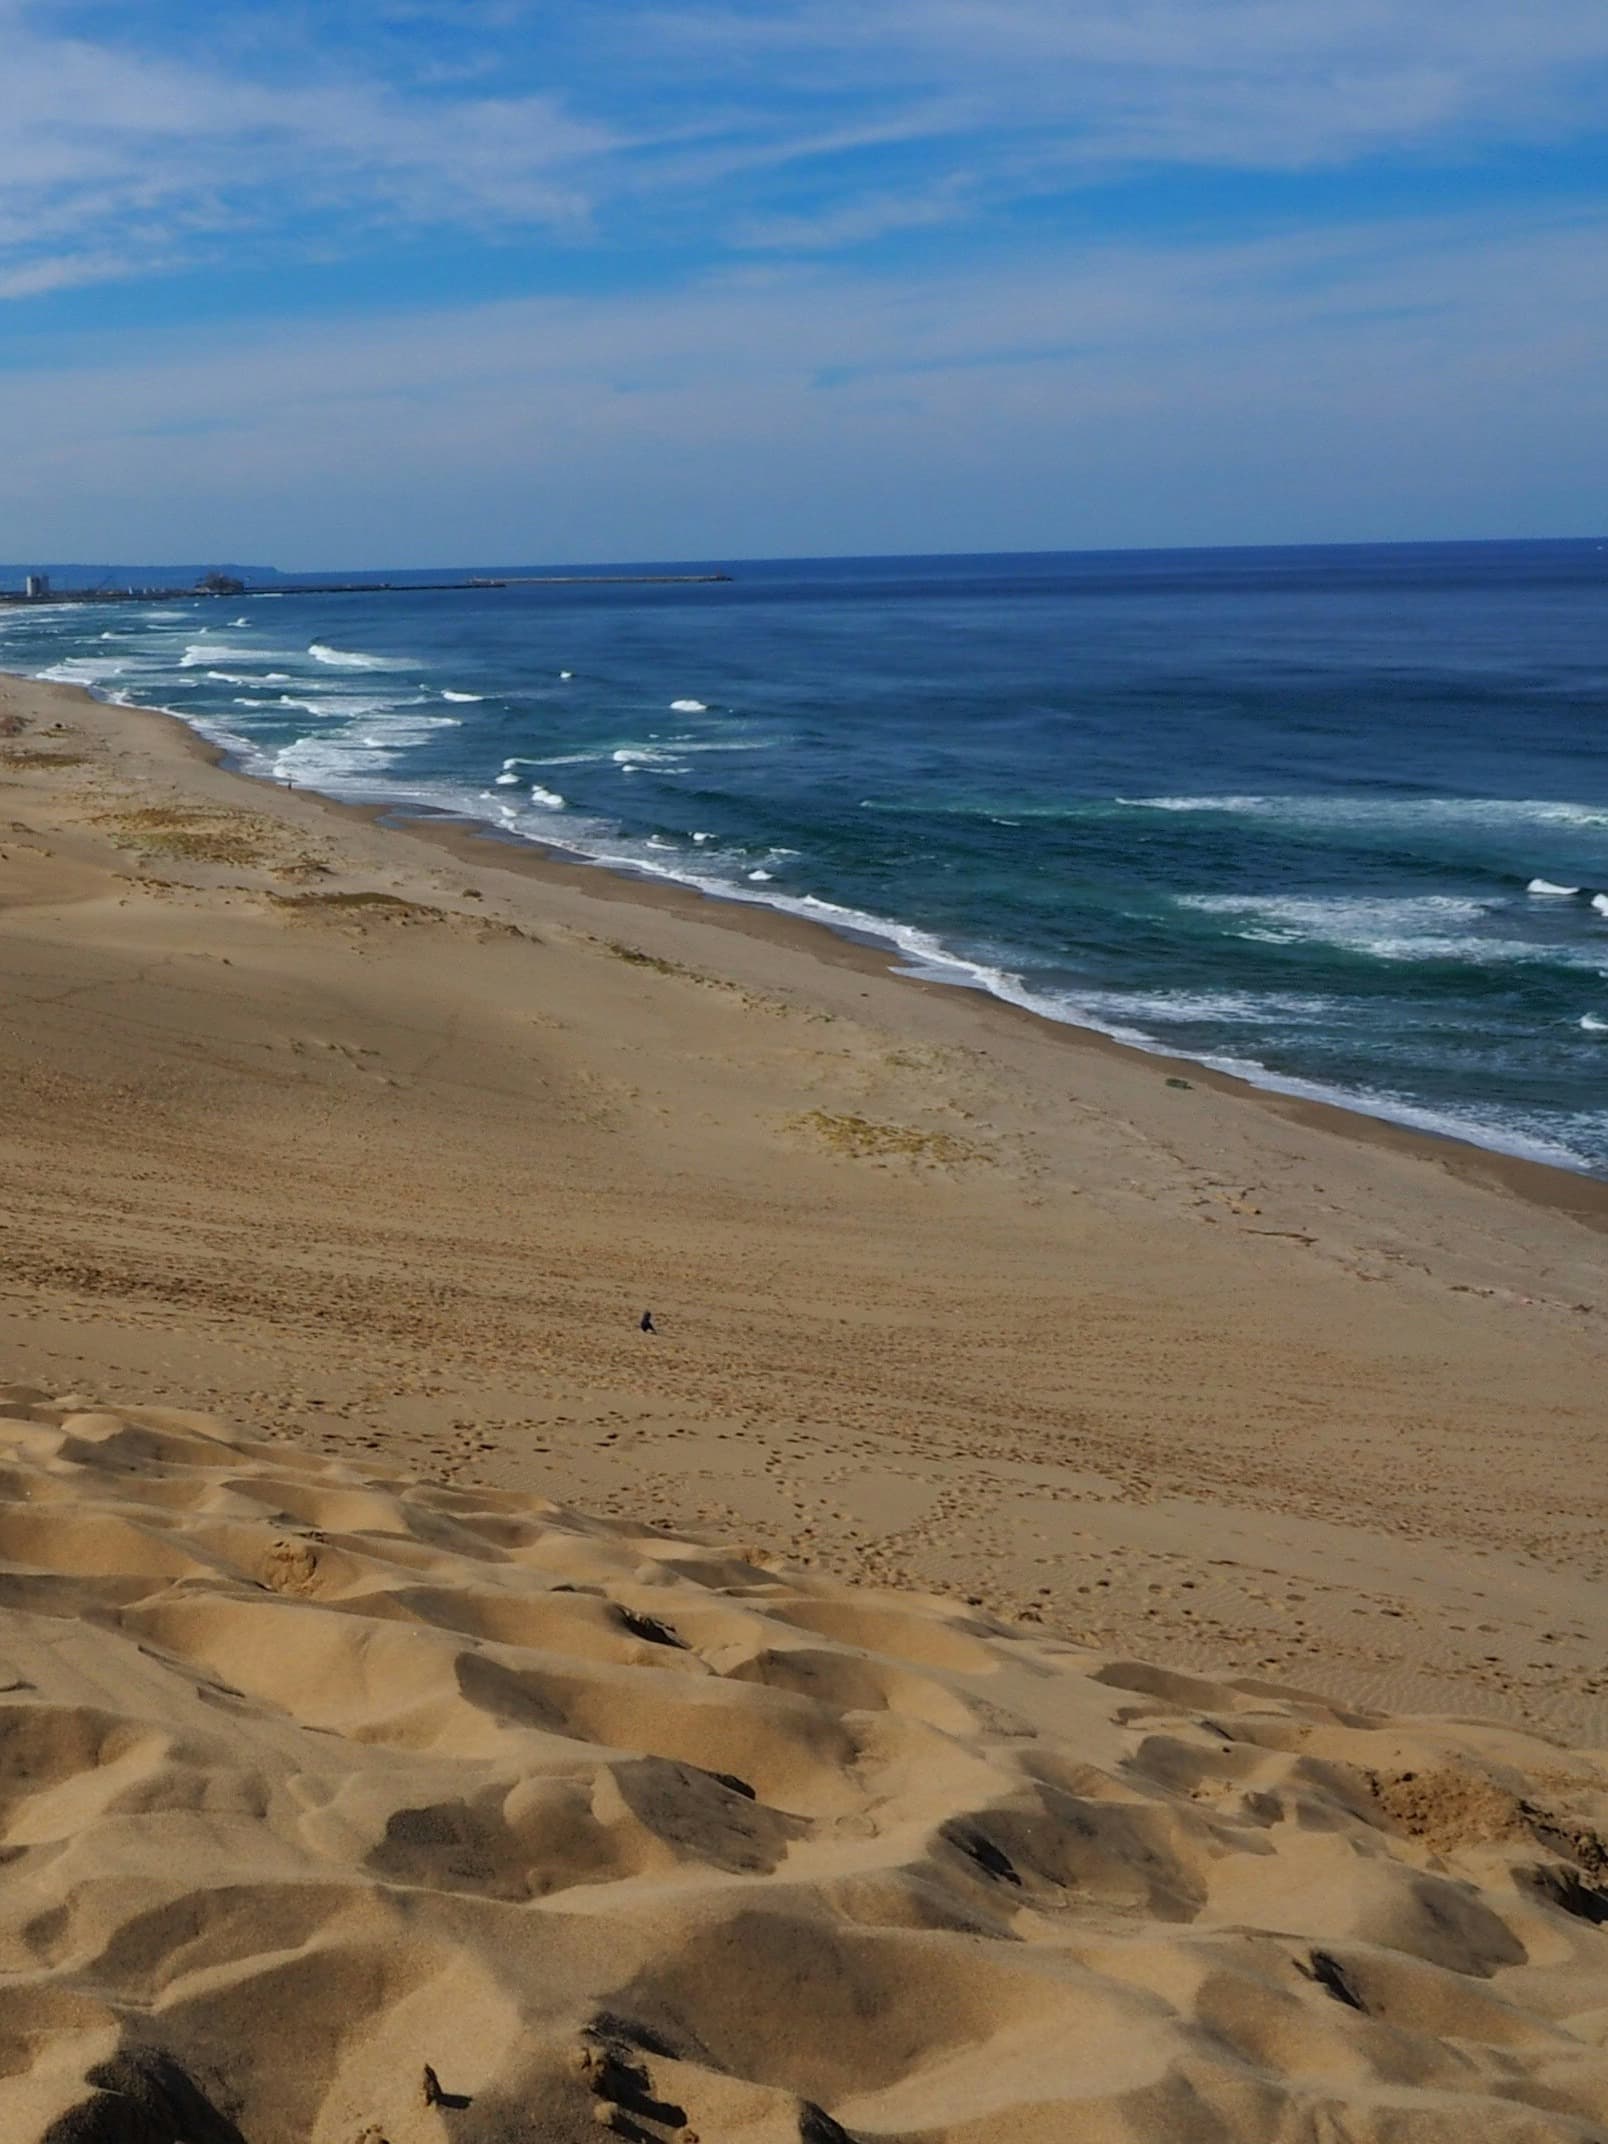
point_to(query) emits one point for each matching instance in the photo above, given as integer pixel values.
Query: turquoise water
(1289, 812)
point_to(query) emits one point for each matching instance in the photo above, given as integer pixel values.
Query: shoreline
(1571, 1190)
(1576, 1191)
(383, 1136)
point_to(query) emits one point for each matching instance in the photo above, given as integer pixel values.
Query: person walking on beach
(647, 1324)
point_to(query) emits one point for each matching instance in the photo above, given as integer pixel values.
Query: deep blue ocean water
(1291, 812)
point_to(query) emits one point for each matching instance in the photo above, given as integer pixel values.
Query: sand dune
(340, 1808)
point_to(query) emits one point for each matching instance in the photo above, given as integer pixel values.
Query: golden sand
(340, 1808)
(377, 1142)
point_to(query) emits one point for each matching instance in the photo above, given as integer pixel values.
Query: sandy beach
(992, 1360)
(341, 1809)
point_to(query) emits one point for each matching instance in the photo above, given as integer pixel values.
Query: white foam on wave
(1468, 1128)
(84, 670)
(703, 837)
(1244, 1007)
(1411, 928)
(354, 761)
(249, 755)
(1301, 910)
(509, 777)
(656, 759)
(464, 699)
(670, 755)
(207, 654)
(333, 706)
(1383, 811)
(354, 659)
(688, 707)
(1592, 1024)
(548, 799)
(566, 675)
(759, 878)
(1599, 902)
(1545, 886)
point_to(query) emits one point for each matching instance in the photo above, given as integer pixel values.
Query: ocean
(1332, 819)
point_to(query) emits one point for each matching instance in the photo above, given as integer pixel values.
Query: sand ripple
(337, 1809)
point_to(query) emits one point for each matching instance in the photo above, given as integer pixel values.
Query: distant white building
(37, 584)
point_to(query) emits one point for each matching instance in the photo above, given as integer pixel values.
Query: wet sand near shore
(383, 1137)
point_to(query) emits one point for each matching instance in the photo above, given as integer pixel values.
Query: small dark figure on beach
(648, 1325)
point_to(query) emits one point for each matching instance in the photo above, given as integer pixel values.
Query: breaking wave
(349, 659)
(1388, 812)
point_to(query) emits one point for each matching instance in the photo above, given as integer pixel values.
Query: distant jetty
(236, 593)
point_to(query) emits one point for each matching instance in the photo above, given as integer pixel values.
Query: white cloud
(1240, 82)
(856, 221)
(67, 271)
(122, 151)
(775, 124)
(1358, 385)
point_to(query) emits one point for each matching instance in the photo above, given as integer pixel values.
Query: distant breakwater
(17, 599)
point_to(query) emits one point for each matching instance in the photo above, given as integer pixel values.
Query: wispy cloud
(46, 272)
(132, 142)
(1202, 80)
(1006, 271)
(857, 221)
(1414, 384)
(113, 155)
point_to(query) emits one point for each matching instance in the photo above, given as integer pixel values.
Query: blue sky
(497, 280)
